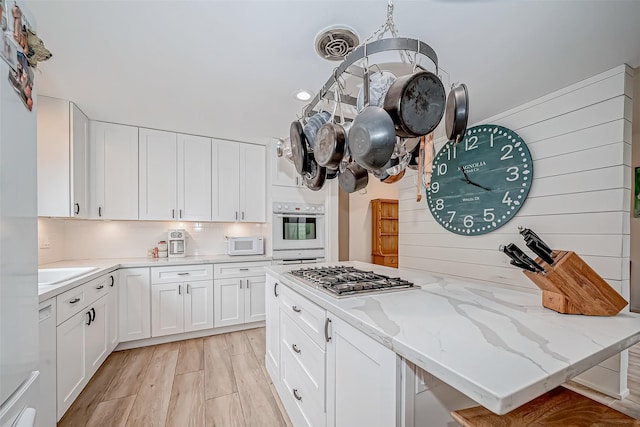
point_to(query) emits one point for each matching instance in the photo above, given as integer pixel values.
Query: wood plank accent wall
(580, 141)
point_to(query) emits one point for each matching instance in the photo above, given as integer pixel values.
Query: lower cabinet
(327, 372)
(112, 308)
(239, 293)
(134, 304)
(82, 346)
(181, 307)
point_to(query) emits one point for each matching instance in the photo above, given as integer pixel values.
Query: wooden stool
(559, 407)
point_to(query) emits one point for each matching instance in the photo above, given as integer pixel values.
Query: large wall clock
(480, 183)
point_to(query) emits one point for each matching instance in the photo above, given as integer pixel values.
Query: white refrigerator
(19, 388)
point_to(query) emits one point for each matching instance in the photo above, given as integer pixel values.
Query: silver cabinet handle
(236, 215)
(248, 283)
(179, 289)
(296, 394)
(75, 300)
(242, 214)
(173, 213)
(100, 287)
(180, 213)
(187, 288)
(296, 309)
(327, 322)
(240, 283)
(296, 349)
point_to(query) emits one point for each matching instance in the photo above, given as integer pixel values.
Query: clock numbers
(471, 143)
(439, 204)
(435, 187)
(513, 173)
(451, 151)
(489, 216)
(453, 214)
(506, 199)
(468, 221)
(507, 155)
(442, 169)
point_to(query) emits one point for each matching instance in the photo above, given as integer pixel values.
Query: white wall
(86, 239)
(360, 216)
(635, 222)
(580, 141)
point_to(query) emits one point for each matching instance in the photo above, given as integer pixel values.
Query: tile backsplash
(86, 239)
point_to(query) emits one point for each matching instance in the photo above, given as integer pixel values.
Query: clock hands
(468, 181)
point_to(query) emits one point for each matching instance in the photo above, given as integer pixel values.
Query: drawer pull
(296, 349)
(327, 322)
(113, 281)
(75, 300)
(244, 269)
(296, 309)
(296, 394)
(183, 274)
(275, 289)
(100, 287)
(93, 316)
(89, 322)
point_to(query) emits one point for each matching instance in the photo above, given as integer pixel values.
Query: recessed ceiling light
(303, 95)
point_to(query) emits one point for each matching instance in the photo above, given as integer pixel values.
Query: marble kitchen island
(495, 344)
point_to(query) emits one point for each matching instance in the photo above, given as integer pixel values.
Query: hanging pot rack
(348, 66)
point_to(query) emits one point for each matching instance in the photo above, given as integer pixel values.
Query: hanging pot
(313, 125)
(372, 138)
(332, 173)
(457, 113)
(353, 178)
(299, 150)
(314, 179)
(331, 143)
(416, 103)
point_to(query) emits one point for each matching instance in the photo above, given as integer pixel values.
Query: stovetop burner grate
(345, 280)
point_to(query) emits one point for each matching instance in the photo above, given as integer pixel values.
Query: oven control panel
(299, 208)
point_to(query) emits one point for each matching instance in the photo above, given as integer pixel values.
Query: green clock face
(480, 183)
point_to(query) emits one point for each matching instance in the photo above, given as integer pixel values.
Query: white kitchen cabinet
(272, 306)
(63, 132)
(97, 335)
(283, 171)
(47, 411)
(112, 309)
(362, 379)
(239, 191)
(157, 174)
(113, 172)
(134, 304)
(167, 309)
(238, 293)
(71, 361)
(174, 176)
(194, 178)
(182, 299)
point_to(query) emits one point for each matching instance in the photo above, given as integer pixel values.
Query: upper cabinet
(283, 172)
(238, 182)
(174, 176)
(63, 132)
(113, 171)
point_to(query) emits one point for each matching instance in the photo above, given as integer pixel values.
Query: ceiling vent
(334, 43)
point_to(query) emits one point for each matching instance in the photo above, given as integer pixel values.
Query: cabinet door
(362, 379)
(53, 155)
(272, 293)
(112, 309)
(157, 175)
(167, 309)
(134, 304)
(253, 187)
(114, 173)
(97, 336)
(254, 299)
(194, 178)
(283, 172)
(228, 300)
(71, 362)
(198, 305)
(79, 140)
(225, 180)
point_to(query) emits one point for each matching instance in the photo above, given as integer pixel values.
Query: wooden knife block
(570, 286)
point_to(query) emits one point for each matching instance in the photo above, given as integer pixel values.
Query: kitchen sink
(51, 276)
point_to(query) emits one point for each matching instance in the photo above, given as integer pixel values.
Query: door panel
(134, 304)
(167, 309)
(254, 302)
(225, 180)
(96, 347)
(157, 175)
(252, 190)
(194, 178)
(228, 300)
(198, 308)
(71, 365)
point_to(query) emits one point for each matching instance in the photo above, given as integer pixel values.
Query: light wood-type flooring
(213, 381)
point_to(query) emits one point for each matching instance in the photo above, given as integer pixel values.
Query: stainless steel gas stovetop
(341, 281)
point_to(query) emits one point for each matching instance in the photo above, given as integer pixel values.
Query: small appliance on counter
(177, 243)
(245, 245)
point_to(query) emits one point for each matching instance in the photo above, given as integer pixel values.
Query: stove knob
(279, 206)
(306, 208)
(313, 208)
(320, 209)
(286, 207)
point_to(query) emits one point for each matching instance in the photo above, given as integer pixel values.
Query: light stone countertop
(108, 265)
(494, 343)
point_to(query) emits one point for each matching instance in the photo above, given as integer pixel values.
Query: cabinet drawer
(307, 353)
(97, 288)
(181, 273)
(71, 302)
(307, 315)
(239, 269)
(299, 389)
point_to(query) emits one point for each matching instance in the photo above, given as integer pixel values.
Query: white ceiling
(229, 68)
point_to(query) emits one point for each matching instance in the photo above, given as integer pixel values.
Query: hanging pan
(457, 113)
(299, 150)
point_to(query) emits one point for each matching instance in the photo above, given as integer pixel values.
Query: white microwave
(245, 246)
